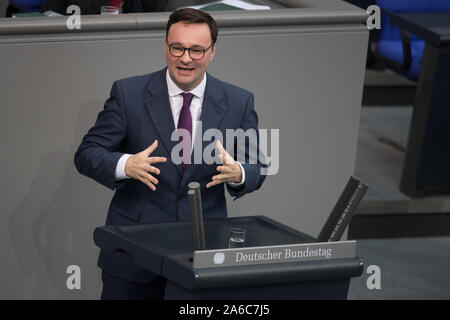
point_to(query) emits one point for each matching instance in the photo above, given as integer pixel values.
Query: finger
(220, 146)
(223, 152)
(222, 158)
(213, 183)
(148, 177)
(153, 160)
(146, 167)
(148, 183)
(225, 158)
(151, 148)
(152, 169)
(227, 167)
(151, 178)
(228, 159)
(224, 169)
(221, 176)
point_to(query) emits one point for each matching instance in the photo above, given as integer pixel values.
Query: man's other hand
(140, 166)
(230, 170)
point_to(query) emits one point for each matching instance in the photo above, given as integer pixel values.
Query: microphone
(195, 209)
(343, 211)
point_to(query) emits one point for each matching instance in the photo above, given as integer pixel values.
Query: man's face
(186, 72)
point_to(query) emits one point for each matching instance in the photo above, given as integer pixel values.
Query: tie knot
(187, 98)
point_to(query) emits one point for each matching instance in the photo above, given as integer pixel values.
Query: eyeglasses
(177, 50)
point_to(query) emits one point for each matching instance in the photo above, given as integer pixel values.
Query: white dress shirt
(176, 104)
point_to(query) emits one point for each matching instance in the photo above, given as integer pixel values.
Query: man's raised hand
(140, 166)
(230, 170)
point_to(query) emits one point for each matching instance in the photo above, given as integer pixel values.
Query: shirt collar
(174, 90)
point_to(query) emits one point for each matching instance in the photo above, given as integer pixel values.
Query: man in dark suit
(129, 149)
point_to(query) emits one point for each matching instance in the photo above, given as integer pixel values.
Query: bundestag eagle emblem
(219, 258)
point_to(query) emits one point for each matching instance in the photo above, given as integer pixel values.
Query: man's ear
(213, 52)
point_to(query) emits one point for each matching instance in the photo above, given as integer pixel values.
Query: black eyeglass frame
(189, 50)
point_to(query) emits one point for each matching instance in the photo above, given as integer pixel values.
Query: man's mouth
(187, 69)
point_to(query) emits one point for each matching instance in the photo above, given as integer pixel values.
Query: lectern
(166, 249)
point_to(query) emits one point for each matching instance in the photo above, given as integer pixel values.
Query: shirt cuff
(120, 168)
(233, 184)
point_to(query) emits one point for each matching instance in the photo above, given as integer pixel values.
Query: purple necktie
(185, 122)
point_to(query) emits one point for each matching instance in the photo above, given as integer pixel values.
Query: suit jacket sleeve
(253, 177)
(97, 155)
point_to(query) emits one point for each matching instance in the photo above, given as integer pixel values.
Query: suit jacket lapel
(212, 113)
(158, 106)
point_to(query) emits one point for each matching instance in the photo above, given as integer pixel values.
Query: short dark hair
(189, 15)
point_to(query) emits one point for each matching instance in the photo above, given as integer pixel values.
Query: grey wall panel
(51, 94)
(307, 84)
(3, 5)
(314, 100)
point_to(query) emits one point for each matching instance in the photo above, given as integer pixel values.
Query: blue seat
(24, 6)
(391, 44)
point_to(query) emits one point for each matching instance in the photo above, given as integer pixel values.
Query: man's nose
(186, 58)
